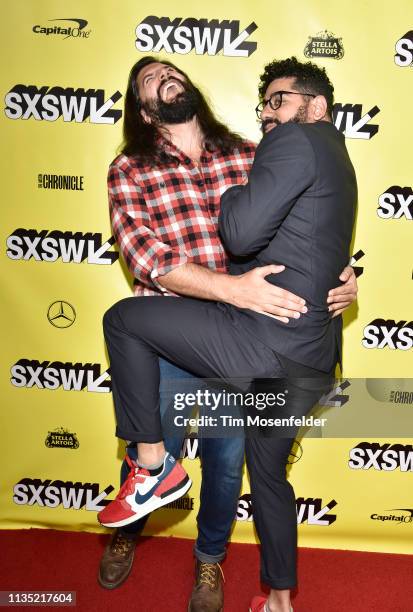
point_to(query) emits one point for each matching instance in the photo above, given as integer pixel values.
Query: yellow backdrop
(61, 125)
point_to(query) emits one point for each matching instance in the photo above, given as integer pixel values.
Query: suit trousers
(209, 340)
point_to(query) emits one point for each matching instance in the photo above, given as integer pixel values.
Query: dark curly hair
(140, 138)
(309, 78)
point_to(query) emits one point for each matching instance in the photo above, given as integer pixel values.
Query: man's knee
(112, 317)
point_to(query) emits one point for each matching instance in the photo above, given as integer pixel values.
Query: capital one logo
(396, 202)
(404, 50)
(66, 32)
(381, 333)
(155, 34)
(350, 120)
(49, 103)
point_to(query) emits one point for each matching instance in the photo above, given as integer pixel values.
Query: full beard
(299, 117)
(179, 110)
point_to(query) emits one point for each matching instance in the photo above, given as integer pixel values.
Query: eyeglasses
(275, 100)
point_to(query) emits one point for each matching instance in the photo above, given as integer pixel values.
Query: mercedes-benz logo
(296, 452)
(61, 314)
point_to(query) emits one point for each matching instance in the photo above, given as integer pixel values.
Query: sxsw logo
(51, 245)
(312, 511)
(396, 202)
(54, 493)
(155, 34)
(382, 333)
(358, 270)
(52, 375)
(335, 398)
(309, 510)
(190, 448)
(49, 103)
(404, 50)
(348, 118)
(381, 457)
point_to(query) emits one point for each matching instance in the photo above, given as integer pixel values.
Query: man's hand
(251, 290)
(341, 297)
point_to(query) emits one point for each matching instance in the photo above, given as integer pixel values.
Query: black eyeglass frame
(260, 107)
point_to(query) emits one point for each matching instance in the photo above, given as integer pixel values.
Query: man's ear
(319, 108)
(145, 116)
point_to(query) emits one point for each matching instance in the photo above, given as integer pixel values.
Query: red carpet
(161, 579)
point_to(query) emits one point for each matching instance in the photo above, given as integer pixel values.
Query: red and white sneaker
(258, 604)
(141, 493)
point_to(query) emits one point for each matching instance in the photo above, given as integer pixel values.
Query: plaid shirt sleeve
(146, 256)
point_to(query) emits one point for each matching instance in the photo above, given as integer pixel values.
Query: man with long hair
(165, 187)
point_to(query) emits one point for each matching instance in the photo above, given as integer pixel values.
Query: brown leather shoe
(116, 563)
(208, 593)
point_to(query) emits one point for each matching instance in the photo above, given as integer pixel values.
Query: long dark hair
(140, 138)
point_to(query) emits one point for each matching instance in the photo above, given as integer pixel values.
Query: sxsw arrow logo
(190, 448)
(358, 270)
(204, 36)
(73, 105)
(310, 510)
(335, 397)
(96, 501)
(349, 120)
(68, 494)
(69, 376)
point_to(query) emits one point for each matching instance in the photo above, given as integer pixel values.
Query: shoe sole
(153, 504)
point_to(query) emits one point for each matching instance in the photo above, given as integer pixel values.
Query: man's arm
(249, 290)
(283, 168)
(147, 257)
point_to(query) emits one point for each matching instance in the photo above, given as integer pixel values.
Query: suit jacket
(298, 210)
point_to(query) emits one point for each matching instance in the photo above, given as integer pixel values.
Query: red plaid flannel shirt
(165, 217)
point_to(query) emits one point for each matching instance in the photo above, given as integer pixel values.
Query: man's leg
(273, 498)
(117, 559)
(201, 337)
(222, 460)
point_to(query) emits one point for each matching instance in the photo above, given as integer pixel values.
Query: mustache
(266, 122)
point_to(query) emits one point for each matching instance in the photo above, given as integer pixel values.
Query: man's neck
(185, 136)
